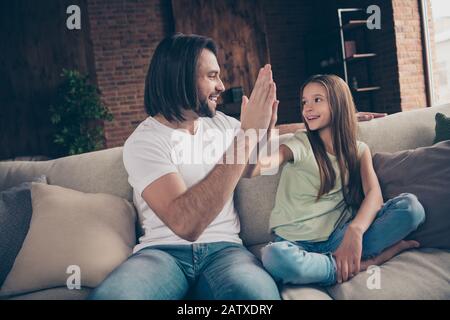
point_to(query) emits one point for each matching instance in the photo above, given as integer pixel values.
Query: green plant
(78, 114)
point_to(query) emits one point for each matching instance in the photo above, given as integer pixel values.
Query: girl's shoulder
(299, 145)
(361, 147)
(301, 136)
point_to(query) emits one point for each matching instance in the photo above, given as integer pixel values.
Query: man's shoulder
(148, 134)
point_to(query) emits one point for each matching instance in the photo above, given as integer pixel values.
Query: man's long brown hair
(343, 132)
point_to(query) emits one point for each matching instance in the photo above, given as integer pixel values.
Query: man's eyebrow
(214, 71)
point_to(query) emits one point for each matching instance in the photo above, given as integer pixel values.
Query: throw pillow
(442, 128)
(15, 216)
(424, 172)
(71, 231)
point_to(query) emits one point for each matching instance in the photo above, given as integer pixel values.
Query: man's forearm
(200, 204)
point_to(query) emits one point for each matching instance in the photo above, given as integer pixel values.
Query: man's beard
(204, 110)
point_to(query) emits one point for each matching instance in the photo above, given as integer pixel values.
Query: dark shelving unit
(356, 63)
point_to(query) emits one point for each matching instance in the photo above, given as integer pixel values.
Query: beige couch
(416, 274)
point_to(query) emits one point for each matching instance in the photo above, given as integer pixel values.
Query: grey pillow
(15, 216)
(442, 127)
(424, 172)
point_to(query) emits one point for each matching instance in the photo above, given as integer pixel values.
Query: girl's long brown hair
(343, 132)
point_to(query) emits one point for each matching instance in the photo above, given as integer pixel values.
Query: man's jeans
(305, 262)
(219, 270)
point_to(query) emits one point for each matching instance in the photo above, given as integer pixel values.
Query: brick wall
(407, 24)
(434, 59)
(125, 33)
(124, 36)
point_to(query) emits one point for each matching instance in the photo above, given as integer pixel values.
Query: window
(437, 39)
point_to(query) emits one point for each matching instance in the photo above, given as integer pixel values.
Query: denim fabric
(304, 262)
(219, 270)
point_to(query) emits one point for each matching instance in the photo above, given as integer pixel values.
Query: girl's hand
(348, 254)
(274, 118)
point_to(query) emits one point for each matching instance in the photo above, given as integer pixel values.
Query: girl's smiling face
(316, 108)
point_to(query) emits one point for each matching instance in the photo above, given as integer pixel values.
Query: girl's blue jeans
(304, 262)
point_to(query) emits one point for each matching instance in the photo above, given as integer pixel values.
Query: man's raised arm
(187, 212)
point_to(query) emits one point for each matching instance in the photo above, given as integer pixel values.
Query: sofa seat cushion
(297, 292)
(61, 293)
(416, 274)
(95, 232)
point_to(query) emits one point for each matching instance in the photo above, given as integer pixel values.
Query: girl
(329, 212)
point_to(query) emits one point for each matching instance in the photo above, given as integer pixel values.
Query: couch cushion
(424, 172)
(401, 131)
(417, 274)
(442, 127)
(95, 172)
(304, 293)
(254, 199)
(93, 231)
(15, 216)
(62, 293)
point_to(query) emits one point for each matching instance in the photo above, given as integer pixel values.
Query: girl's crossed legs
(313, 263)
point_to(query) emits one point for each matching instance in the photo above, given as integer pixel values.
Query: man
(190, 247)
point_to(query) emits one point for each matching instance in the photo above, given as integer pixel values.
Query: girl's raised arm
(283, 155)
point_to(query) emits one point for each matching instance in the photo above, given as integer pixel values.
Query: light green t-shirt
(296, 215)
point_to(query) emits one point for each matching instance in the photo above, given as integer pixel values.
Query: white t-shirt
(154, 150)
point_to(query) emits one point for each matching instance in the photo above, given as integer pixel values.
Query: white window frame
(428, 60)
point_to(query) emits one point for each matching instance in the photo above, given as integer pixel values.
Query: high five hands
(260, 111)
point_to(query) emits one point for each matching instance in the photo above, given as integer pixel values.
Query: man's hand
(348, 255)
(367, 116)
(256, 112)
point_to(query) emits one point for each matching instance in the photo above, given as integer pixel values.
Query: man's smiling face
(209, 84)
